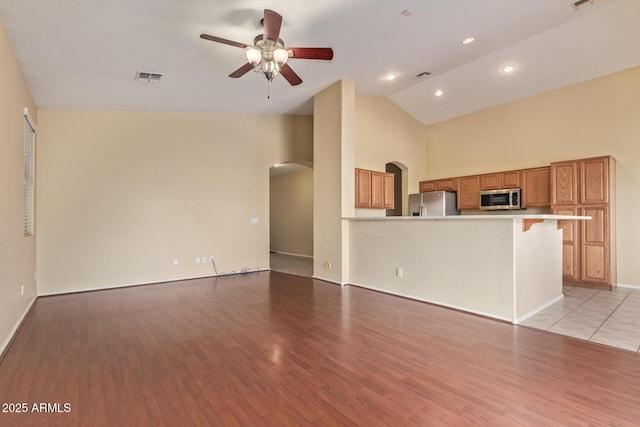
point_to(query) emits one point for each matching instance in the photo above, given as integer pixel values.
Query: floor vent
(146, 76)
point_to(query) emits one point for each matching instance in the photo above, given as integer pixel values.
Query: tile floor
(606, 317)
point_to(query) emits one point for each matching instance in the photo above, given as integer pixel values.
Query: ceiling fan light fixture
(254, 56)
(280, 56)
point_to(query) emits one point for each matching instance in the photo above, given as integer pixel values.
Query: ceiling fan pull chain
(268, 89)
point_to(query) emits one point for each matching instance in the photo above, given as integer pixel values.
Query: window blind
(29, 172)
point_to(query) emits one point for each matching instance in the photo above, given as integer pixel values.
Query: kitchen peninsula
(507, 267)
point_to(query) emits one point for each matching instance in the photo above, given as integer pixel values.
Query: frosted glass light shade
(281, 56)
(254, 56)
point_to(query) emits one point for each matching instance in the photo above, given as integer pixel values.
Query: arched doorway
(400, 191)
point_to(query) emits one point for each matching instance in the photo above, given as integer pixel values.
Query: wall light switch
(197, 260)
(254, 220)
(175, 261)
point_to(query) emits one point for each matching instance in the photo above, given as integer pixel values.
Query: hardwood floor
(275, 349)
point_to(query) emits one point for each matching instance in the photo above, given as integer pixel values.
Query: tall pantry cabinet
(587, 187)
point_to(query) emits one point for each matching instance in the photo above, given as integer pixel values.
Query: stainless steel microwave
(507, 199)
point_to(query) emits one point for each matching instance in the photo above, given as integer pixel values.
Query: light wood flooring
(272, 349)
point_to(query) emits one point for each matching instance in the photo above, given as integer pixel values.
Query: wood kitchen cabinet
(469, 192)
(389, 190)
(377, 190)
(500, 180)
(564, 181)
(594, 177)
(447, 184)
(595, 245)
(374, 189)
(426, 186)
(586, 187)
(570, 242)
(536, 187)
(363, 188)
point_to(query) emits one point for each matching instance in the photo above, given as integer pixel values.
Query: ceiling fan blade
(223, 41)
(291, 76)
(324, 53)
(241, 71)
(272, 23)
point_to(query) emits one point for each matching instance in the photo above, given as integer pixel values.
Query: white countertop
(464, 217)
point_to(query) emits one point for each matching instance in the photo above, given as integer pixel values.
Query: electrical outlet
(175, 261)
(399, 272)
(197, 260)
(21, 290)
(254, 220)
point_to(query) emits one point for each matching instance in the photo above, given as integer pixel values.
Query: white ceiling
(84, 54)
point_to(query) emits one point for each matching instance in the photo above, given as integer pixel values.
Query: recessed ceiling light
(439, 93)
(468, 40)
(391, 76)
(508, 68)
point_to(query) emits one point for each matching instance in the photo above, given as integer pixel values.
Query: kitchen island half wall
(484, 264)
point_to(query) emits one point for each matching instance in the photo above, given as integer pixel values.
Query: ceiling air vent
(146, 76)
(580, 4)
(422, 74)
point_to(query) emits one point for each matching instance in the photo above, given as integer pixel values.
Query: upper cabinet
(447, 184)
(377, 190)
(500, 180)
(469, 192)
(564, 181)
(389, 190)
(374, 189)
(594, 177)
(363, 188)
(535, 187)
(426, 186)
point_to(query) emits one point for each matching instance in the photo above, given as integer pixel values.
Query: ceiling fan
(268, 54)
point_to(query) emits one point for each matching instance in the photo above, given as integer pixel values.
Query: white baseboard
(324, 279)
(292, 254)
(538, 310)
(622, 285)
(15, 328)
(438, 303)
(128, 285)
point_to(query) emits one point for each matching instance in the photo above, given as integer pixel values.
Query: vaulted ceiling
(85, 54)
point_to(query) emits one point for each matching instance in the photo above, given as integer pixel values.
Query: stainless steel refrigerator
(433, 203)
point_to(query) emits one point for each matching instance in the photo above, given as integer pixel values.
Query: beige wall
(594, 118)
(291, 213)
(121, 194)
(386, 133)
(17, 253)
(334, 187)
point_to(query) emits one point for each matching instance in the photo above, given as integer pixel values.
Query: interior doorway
(291, 218)
(400, 189)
